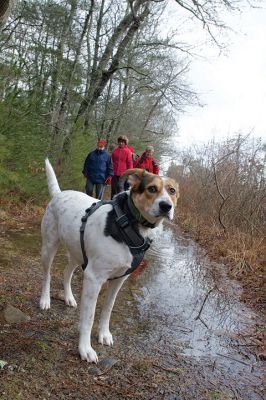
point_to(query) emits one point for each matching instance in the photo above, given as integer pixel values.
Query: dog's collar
(137, 215)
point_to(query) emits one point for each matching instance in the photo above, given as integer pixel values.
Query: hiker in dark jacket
(98, 169)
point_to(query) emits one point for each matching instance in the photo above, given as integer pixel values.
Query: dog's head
(154, 196)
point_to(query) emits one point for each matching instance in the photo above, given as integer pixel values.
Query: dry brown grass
(242, 253)
(13, 213)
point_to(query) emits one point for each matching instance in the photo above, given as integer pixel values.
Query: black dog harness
(136, 243)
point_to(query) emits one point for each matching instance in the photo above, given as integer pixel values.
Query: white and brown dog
(150, 199)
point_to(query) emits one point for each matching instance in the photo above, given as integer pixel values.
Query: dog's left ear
(134, 176)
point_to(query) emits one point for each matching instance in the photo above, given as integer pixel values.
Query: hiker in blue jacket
(98, 169)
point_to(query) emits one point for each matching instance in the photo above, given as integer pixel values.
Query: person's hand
(108, 180)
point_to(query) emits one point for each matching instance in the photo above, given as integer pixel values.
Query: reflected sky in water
(180, 300)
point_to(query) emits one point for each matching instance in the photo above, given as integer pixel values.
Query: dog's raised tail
(53, 186)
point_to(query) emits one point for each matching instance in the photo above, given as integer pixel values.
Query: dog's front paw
(70, 301)
(45, 303)
(88, 354)
(105, 337)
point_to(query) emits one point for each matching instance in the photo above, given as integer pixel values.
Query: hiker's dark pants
(98, 189)
(115, 187)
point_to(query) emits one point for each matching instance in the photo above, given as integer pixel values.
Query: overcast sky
(232, 85)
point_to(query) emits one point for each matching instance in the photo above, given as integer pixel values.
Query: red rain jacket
(122, 160)
(147, 163)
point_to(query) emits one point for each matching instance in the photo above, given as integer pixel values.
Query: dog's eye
(172, 190)
(152, 189)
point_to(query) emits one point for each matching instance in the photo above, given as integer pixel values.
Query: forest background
(71, 71)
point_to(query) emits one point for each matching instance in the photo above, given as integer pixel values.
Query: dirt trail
(180, 331)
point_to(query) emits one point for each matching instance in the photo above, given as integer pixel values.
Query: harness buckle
(146, 244)
(122, 221)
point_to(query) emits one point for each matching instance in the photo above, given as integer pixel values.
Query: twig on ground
(204, 323)
(204, 301)
(233, 359)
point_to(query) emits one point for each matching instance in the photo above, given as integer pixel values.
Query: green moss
(217, 395)
(44, 346)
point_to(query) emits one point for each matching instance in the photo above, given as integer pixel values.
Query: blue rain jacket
(98, 166)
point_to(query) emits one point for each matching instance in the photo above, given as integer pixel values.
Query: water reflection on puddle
(179, 299)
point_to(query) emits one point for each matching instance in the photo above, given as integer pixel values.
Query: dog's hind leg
(48, 253)
(68, 272)
(104, 334)
(50, 243)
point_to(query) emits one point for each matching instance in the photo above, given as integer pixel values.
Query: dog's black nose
(164, 206)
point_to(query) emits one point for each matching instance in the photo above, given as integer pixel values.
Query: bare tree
(122, 36)
(225, 183)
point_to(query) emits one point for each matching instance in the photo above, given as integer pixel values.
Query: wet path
(180, 330)
(184, 299)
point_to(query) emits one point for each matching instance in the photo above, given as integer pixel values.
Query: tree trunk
(127, 27)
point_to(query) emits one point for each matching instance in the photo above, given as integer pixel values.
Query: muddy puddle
(179, 328)
(183, 298)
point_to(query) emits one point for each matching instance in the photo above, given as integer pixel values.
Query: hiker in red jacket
(132, 152)
(146, 161)
(122, 160)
